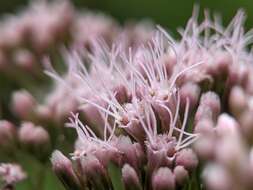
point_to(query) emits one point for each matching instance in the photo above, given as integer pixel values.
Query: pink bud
(134, 129)
(163, 179)
(140, 154)
(29, 134)
(35, 139)
(220, 64)
(203, 113)
(161, 152)
(121, 94)
(128, 149)
(163, 114)
(11, 173)
(190, 91)
(25, 59)
(205, 147)
(130, 178)
(232, 152)
(181, 175)
(238, 74)
(105, 156)
(237, 100)
(209, 107)
(95, 171)
(7, 133)
(169, 59)
(23, 103)
(217, 178)
(187, 158)
(211, 100)
(92, 117)
(62, 167)
(11, 33)
(226, 125)
(204, 127)
(43, 112)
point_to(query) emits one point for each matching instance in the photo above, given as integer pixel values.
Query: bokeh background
(168, 13)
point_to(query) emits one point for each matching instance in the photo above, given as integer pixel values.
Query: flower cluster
(145, 111)
(135, 105)
(33, 108)
(10, 174)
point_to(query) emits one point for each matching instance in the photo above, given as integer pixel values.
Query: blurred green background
(168, 13)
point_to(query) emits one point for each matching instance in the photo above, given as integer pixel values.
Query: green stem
(40, 178)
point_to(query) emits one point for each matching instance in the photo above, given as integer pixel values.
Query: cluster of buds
(10, 174)
(27, 137)
(228, 155)
(134, 108)
(133, 120)
(44, 26)
(30, 100)
(33, 31)
(225, 139)
(41, 30)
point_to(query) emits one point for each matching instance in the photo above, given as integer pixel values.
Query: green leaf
(115, 176)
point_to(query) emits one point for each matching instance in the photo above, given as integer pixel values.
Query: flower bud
(161, 152)
(226, 125)
(135, 129)
(181, 175)
(130, 156)
(163, 179)
(203, 113)
(43, 112)
(217, 178)
(169, 60)
(130, 178)
(220, 64)
(237, 100)
(63, 169)
(121, 94)
(11, 173)
(105, 156)
(209, 107)
(35, 139)
(95, 172)
(189, 91)
(25, 59)
(204, 127)
(211, 100)
(23, 103)
(205, 147)
(187, 158)
(7, 134)
(238, 74)
(140, 154)
(61, 102)
(162, 113)
(232, 152)
(93, 118)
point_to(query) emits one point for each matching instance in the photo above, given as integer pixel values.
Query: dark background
(168, 13)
